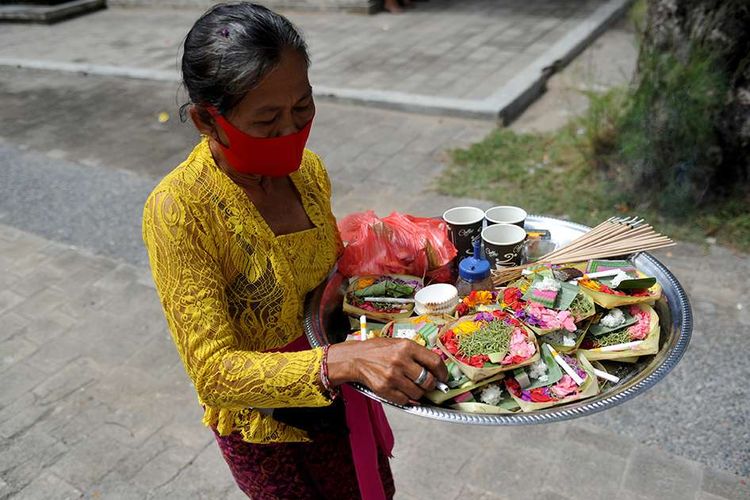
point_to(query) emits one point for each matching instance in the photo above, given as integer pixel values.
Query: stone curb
(35, 14)
(522, 90)
(351, 6)
(504, 105)
(92, 69)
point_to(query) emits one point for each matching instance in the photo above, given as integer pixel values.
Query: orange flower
(590, 284)
(478, 297)
(364, 283)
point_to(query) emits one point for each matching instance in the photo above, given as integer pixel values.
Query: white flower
(568, 340)
(614, 318)
(619, 278)
(547, 284)
(406, 333)
(491, 395)
(538, 371)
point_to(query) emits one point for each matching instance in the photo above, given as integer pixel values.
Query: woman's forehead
(283, 86)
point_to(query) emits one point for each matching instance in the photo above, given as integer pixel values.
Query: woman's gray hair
(230, 49)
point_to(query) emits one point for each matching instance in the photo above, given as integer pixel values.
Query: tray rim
(573, 410)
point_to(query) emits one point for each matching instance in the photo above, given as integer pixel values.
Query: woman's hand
(388, 367)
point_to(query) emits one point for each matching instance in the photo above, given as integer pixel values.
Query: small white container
(441, 298)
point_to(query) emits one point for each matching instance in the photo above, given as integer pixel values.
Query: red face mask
(271, 156)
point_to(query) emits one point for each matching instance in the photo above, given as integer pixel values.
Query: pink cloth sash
(368, 431)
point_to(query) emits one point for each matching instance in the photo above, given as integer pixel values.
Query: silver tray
(323, 314)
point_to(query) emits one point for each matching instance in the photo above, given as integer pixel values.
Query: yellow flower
(484, 297)
(420, 319)
(466, 328)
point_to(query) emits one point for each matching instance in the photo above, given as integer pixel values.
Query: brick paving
(96, 404)
(460, 49)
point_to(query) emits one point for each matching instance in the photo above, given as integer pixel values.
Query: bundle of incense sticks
(615, 237)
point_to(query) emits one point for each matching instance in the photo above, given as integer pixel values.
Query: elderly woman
(237, 235)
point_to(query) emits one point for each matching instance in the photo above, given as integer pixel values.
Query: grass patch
(650, 151)
(568, 174)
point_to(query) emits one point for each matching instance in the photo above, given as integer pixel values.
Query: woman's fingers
(390, 367)
(431, 361)
(428, 384)
(408, 387)
(397, 397)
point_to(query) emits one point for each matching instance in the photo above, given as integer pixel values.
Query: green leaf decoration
(567, 294)
(428, 333)
(636, 283)
(509, 404)
(386, 289)
(603, 265)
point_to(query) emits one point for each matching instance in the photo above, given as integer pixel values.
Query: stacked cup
(503, 237)
(437, 299)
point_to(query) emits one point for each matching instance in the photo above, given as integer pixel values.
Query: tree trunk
(720, 29)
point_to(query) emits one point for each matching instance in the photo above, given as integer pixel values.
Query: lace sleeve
(191, 287)
(323, 181)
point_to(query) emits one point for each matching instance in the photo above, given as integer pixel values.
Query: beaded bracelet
(324, 374)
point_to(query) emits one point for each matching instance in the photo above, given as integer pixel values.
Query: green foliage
(637, 15)
(649, 150)
(601, 123)
(663, 137)
(574, 173)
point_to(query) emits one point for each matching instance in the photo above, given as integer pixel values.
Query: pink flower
(564, 387)
(520, 348)
(550, 319)
(639, 331)
(566, 320)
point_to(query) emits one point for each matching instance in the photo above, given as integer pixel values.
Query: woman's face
(281, 105)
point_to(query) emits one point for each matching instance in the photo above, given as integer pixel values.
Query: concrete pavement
(103, 149)
(483, 58)
(96, 404)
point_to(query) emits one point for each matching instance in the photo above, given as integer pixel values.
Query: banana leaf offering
(622, 333)
(487, 343)
(490, 398)
(546, 303)
(552, 381)
(395, 291)
(615, 283)
(423, 329)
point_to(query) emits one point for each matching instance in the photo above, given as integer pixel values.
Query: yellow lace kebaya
(231, 289)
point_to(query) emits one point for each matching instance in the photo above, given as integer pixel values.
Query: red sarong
(324, 468)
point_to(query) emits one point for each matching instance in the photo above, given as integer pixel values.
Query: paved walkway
(96, 403)
(442, 48)
(467, 56)
(118, 149)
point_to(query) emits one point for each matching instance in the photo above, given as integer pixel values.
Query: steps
(47, 12)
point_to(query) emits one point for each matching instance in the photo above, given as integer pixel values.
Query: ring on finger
(422, 376)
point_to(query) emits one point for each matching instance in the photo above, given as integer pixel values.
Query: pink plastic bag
(397, 244)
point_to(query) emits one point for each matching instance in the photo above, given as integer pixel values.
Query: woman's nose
(288, 126)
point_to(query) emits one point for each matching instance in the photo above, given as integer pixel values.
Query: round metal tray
(323, 315)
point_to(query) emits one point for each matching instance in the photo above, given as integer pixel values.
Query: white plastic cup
(505, 214)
